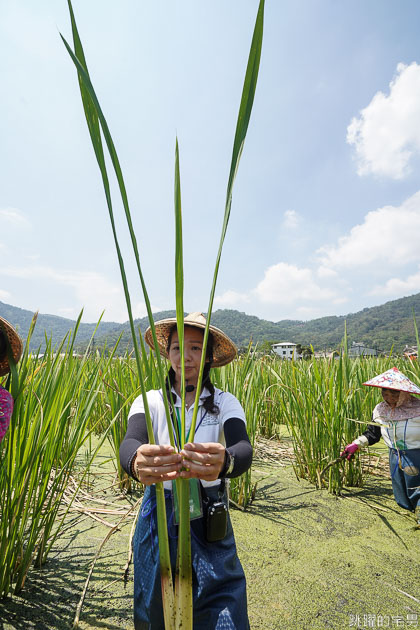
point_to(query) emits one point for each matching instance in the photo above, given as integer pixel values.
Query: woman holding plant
(219, 448)
(397, 421)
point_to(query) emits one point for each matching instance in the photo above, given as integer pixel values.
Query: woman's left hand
(202, 460)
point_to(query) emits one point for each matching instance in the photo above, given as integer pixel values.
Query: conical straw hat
(15, 343)
(224, 350)
(394, 379)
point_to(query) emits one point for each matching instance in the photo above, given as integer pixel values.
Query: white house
(286, 350)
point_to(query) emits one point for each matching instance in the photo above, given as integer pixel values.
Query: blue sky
(326, 206)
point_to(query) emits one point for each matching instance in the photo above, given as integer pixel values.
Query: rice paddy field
(322, 547)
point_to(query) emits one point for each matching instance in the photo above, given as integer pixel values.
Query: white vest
(209, 427)
(400, 426)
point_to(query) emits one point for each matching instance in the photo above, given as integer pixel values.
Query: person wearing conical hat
(9, 339)
(219, 449)
(397, 421)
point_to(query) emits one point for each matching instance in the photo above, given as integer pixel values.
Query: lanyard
(179, 423)
(196, 428)
(394, 428)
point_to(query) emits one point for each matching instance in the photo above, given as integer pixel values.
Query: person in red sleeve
(8, 339)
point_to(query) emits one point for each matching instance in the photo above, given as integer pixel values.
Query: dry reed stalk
(107, 537)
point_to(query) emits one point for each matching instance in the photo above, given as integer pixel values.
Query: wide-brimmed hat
(394, 379)
(15, 343)
(224, 350)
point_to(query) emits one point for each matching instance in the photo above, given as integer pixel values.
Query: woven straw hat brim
(224, 350)
(15, 343)
(394, 379)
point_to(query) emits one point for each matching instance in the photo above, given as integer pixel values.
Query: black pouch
(215, 515)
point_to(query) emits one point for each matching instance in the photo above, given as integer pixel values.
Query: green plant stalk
(94, 116)
(179, 286)
(245, 108)
(183, 578)
(93, 112)
(415, 364)
(315, 399)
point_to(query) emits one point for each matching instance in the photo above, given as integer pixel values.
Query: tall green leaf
(94, 118)
(96, 122)
(244, 115)
(183, 580)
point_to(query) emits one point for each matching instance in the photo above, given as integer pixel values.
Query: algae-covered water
(312, 560)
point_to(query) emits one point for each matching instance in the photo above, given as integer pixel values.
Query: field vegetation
(67, 406)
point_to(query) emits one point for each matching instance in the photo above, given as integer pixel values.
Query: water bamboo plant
(178, 605)
(54, 400)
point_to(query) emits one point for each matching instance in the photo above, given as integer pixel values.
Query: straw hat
(394, 379)
(15, 343)
(224, 350)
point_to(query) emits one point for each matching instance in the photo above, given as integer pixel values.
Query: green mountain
(51, 326)
(382, 327)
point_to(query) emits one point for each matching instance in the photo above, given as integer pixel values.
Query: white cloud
(342, 299)
(291, 220)
(389, 236)
(398, 287)
(86, 289)
(13, 217)
(387, 133)
(307, 312)
(90, 290)
(140, 310)
(287, 292)
(287, 284)
(313, 311)
(4, 295)
(231, 299)
(326, 272)
(32, 257)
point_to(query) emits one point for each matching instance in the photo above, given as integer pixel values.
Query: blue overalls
(219, 587)
(406, 488)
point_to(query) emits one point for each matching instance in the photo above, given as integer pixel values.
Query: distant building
(323, 354)
(360, 350)
(286, 350)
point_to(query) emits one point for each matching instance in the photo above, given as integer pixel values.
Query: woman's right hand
(156, 462)
(349, 451)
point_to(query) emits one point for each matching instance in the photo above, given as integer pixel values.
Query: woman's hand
(349, 451)
(204, 461)
(156, 462)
